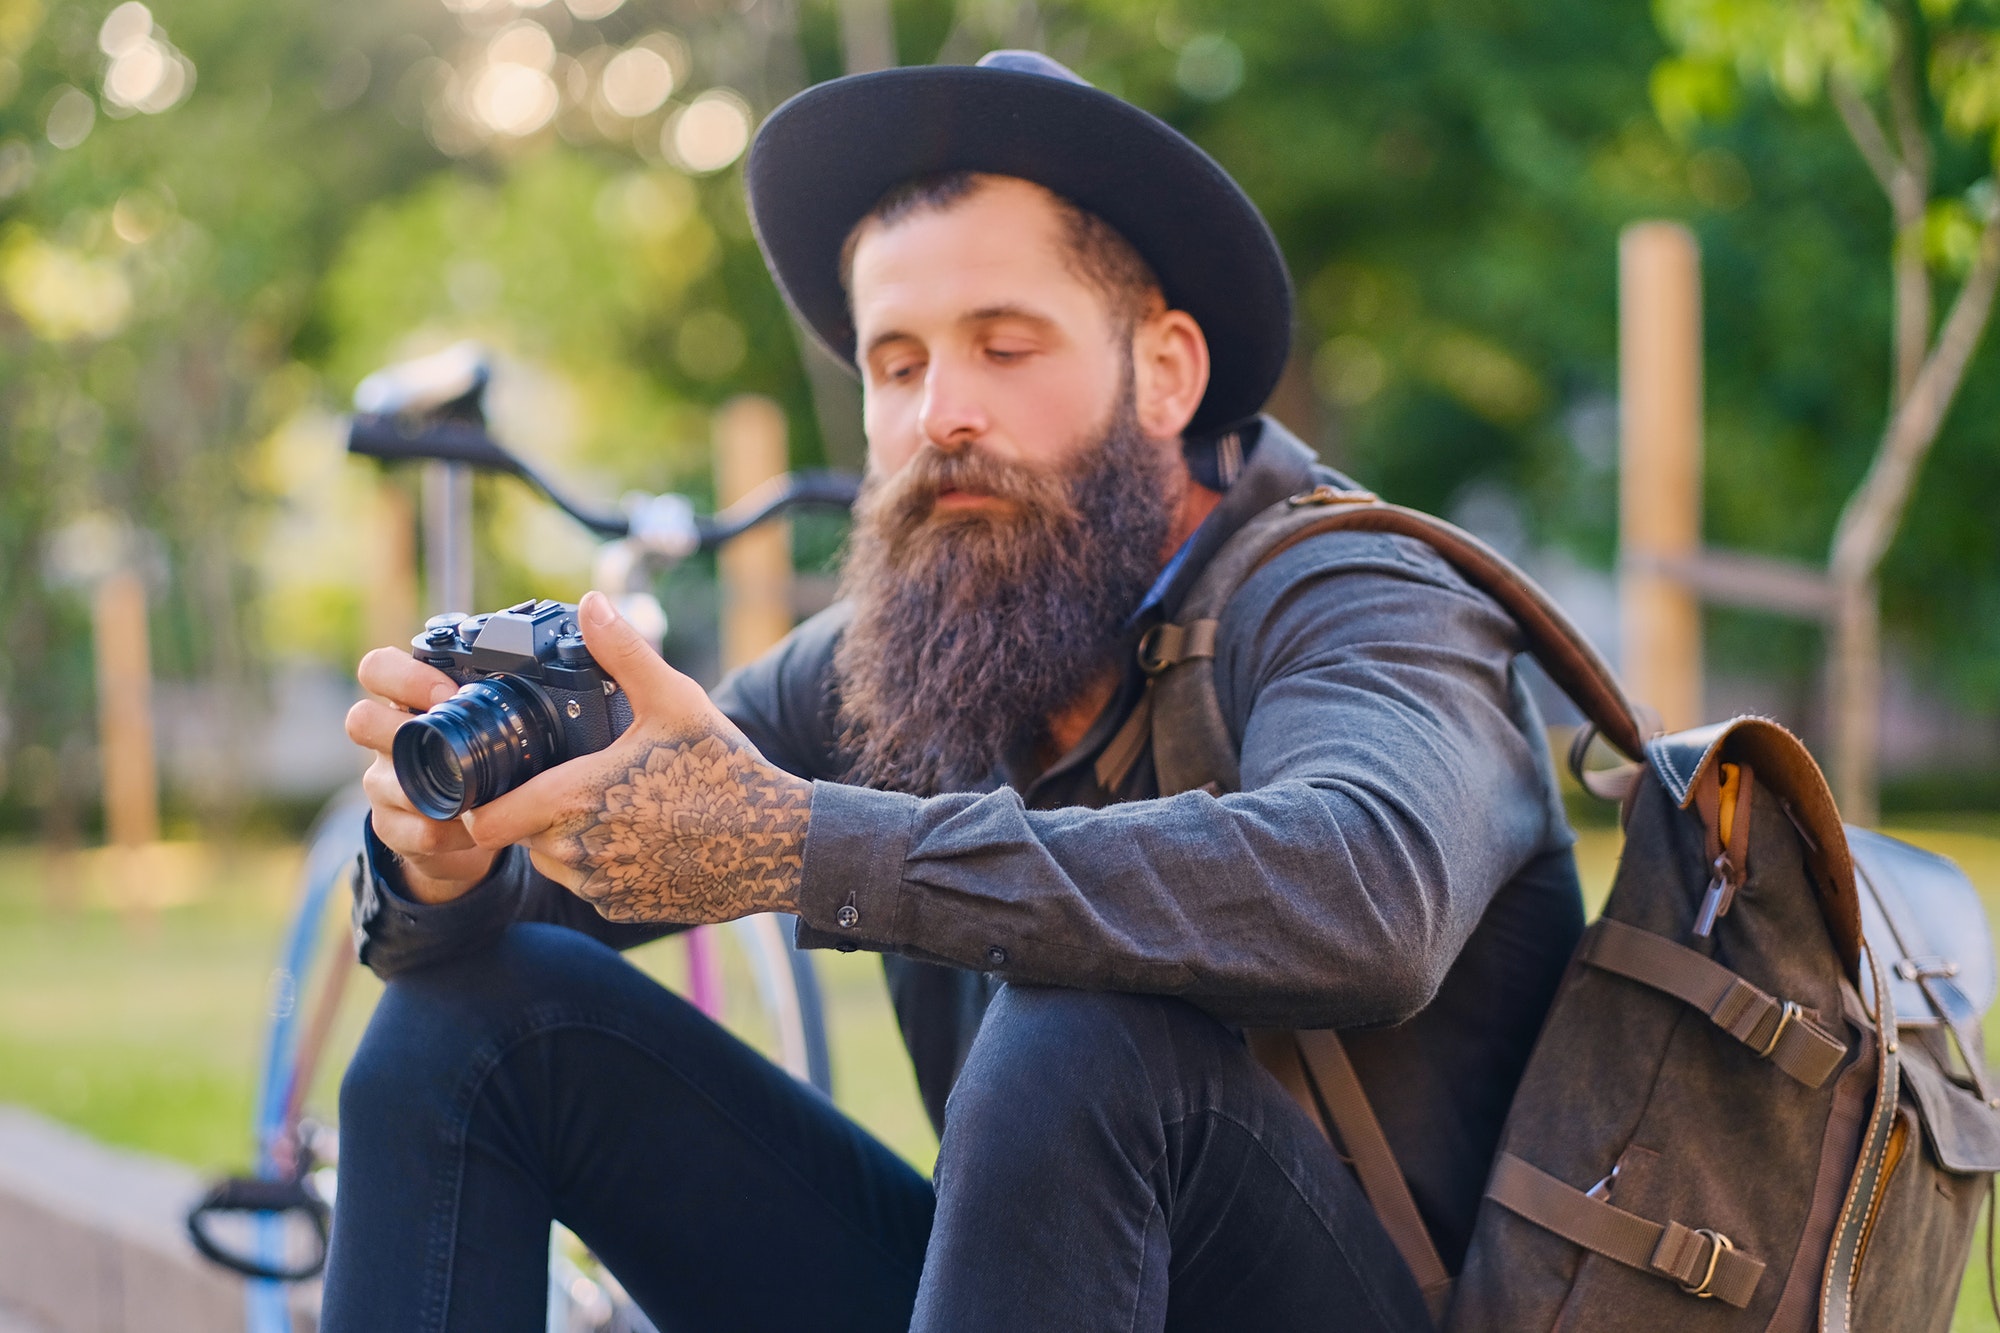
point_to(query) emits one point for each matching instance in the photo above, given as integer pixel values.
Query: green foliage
(188, 296)
(1796, 400)
(1793, 48)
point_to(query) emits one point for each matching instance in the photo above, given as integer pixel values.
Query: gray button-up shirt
(1397, 863)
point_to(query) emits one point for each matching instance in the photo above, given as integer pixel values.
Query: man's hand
(680, 820)
(439, 858)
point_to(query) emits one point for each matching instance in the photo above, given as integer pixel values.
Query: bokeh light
(1210, 67)
(124, 29)
(710, 132)
(72, 113)
(637, 81)
(145, 72)
(525, 43)
(513, 99)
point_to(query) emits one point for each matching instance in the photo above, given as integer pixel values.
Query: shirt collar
(1275, 464)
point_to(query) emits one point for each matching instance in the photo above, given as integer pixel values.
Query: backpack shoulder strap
(1192, 746)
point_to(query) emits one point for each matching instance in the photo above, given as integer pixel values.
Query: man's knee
(434, 1023)
(1050, 1060)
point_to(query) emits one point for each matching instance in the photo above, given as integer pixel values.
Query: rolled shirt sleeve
(1395, 777)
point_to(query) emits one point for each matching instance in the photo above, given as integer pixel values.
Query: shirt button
(996, 955)
(847, 916)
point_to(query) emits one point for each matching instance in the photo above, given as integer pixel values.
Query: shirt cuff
(393, 932)
(852, 882)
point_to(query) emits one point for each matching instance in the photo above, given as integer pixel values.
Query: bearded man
(1065, 318)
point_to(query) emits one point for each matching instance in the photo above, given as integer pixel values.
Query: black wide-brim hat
(826, 157)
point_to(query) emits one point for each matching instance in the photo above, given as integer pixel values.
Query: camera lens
(489, 738)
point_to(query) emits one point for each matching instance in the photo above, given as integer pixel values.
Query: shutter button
(847, 916)
(996, 955)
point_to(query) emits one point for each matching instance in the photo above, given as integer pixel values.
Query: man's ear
(1169, 372)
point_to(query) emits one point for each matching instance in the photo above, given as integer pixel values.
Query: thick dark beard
(972, 628)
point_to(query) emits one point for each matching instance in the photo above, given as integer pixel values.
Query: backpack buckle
(1717, 1243)
(1791, 1011)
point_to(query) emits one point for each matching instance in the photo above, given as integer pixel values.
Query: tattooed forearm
(696, 830)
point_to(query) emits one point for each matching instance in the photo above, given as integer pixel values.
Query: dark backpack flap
(1925, 921)
(1923, 916)
(1963, 1131)
(1786, 770)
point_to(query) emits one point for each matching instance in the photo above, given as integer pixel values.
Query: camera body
(532, 697)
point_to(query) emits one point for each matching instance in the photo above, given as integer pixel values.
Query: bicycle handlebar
(457, 441)
(832, 489)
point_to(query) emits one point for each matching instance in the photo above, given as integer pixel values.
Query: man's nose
(953, 418)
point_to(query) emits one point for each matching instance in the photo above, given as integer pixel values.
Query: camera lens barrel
(484, 741)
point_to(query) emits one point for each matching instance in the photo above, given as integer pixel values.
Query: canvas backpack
(1759, 1099)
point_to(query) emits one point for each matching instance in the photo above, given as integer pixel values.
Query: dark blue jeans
(1109, 1162)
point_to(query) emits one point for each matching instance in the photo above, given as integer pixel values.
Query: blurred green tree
(212, 222)
(1905, 79)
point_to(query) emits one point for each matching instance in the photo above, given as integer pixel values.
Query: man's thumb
(622, 651)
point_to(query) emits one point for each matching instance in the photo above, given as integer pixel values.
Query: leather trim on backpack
(1773, 1029)
(1837, 1290)
(1682, 760)
(1701, 1261)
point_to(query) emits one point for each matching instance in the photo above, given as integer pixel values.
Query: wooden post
(125, 710)
(391, 611)
(1659, 484)
(756, 568)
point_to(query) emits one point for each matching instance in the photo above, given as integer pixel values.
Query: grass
(140, 1021)
(134, 996)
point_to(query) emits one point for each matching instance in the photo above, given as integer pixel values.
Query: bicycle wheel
(747, 976)
(788, 988)
(332, 844)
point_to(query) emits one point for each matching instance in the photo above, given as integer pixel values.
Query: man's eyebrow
(884, 338)
(989, 313)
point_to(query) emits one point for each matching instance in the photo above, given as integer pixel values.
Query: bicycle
(274, 1225)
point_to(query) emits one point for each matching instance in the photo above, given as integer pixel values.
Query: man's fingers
(383, 791)
(425, 840)
(402, 679)
(552, 868)
(372, 724)
(537, 804)
(655, 689)
(397, 822)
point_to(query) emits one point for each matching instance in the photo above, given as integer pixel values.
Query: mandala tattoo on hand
(697, 830)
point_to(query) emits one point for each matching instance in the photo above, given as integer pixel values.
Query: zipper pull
(1716, 902)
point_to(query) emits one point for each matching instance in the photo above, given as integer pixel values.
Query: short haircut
(1093, 249)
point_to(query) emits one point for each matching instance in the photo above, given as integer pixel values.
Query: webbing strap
(1122, 751)
(1340, 1092)
(1700, 1260)
(1168, 644)
(1778, 1030)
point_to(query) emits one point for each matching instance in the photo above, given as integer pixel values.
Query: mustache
(896, 505)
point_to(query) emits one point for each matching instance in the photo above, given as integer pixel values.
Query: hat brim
(822, 161)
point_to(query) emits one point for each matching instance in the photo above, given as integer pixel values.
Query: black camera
(533, 696)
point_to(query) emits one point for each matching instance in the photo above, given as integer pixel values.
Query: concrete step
(91, 1239)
